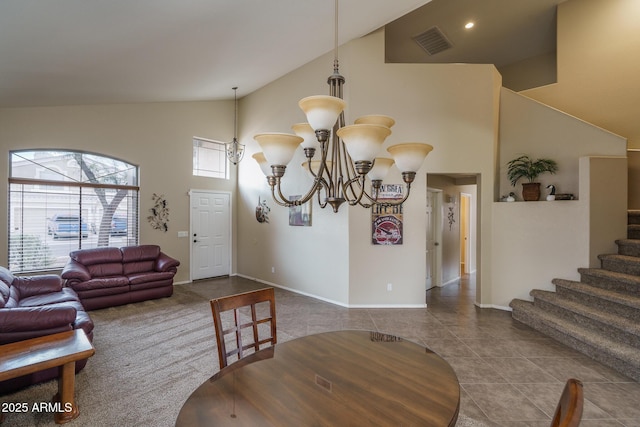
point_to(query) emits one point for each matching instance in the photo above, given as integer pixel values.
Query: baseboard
(497, 307)
(341, 304)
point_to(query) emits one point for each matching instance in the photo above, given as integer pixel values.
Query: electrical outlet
(389, 287)
(273, 269)
(183, 234)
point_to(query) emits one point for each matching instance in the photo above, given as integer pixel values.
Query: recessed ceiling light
(469, 25)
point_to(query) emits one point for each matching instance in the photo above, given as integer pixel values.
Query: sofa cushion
(97, 256)
(138, 259)
(29, 319)
(102, 283)
(138, 278)
(29, 286)
(140, 253)
(105, 270)
(99, 262)
(102, 292)
(64, 296)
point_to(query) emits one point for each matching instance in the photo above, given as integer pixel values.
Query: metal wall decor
(159, 213)
(262, 211)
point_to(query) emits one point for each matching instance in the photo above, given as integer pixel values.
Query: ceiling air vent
(433, 41)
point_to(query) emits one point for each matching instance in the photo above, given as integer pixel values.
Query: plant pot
(531, 191)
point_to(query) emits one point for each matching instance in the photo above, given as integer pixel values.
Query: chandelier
(235, 150)
(348, 155)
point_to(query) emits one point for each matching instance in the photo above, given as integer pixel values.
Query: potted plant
(524, 167)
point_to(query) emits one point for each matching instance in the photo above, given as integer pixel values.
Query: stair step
(611, 280)
(621, 263)
(612, 301)
(630, 247)
(621, 357)
(608, 324)
(633, 231)
(633, 216)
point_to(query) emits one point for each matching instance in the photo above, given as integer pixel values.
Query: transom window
(60, 201)
(210, 158)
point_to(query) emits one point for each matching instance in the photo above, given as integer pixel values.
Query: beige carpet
(149, 357)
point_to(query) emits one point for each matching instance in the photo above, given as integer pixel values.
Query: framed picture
(386, 221)
(300, 215)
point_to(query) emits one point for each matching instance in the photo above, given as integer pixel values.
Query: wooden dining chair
(569, 410)
(246, 332)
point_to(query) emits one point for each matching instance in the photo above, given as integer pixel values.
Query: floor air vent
(433, 41)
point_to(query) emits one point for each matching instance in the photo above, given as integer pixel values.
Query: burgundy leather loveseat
(35, 306)
(106, 277)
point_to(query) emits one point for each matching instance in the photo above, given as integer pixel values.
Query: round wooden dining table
(342, 378)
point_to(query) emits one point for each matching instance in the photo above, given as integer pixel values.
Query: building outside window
(61, 201)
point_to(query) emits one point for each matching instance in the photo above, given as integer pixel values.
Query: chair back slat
(243, 341)
(569, 410)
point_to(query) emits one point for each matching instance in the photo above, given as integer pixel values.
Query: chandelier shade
(278, 148)
(380, 168)
(363, 141)
(262, 162)
(409, 156)
(322, 111)
(306, 132)
(375, 119)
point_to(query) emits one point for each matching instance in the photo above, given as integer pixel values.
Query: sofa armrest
(23, 319)
(29, 286)
(74, 272)
(165, 263)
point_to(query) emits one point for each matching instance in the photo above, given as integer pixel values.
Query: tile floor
(510, 375)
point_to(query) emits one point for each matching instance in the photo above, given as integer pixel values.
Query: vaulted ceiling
(118, 51)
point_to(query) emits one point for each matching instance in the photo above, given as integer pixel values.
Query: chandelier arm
(275, 198)
(348, 187)
(317, 183)
(320, 202)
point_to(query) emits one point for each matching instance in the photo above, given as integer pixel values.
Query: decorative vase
(530, 191)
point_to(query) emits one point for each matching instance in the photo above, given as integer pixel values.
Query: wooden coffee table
(63, 349)
(329, 379)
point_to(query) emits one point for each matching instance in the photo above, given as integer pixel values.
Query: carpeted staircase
(599, 315)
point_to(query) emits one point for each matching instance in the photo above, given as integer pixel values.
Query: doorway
(433, 254)
(465, 213)
(210, 234)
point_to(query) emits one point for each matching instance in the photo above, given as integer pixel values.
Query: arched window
(60, 201)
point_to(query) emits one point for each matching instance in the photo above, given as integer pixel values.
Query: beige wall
(598, 66)
(452, 107)
(535, 242)
(529, 127)
(156, 137)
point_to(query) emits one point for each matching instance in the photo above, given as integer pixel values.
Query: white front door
(210, 234)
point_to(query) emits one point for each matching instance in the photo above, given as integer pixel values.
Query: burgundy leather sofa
(106, 277)
(33, 306)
